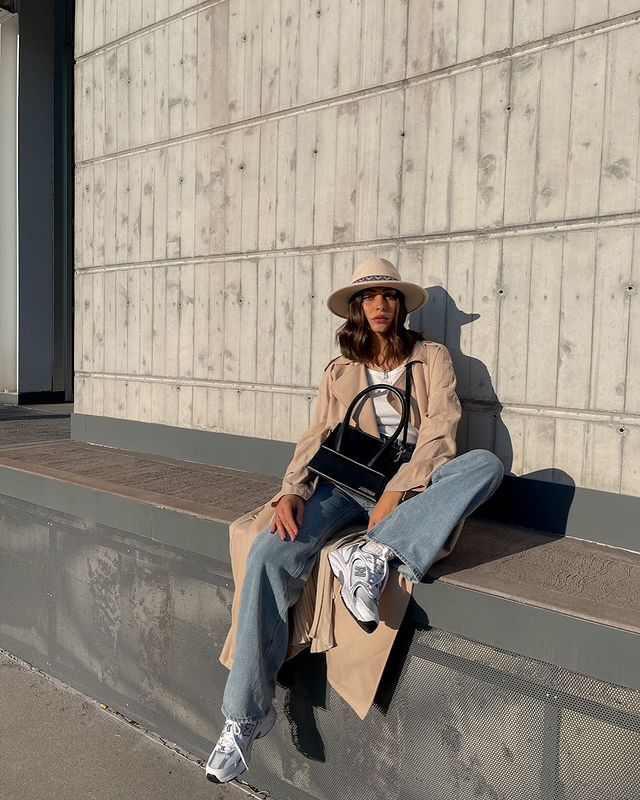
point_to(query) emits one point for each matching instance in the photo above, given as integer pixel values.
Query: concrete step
(215, 493)
(583, 579)
(20, 425)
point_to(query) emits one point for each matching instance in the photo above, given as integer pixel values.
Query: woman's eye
(370, 297)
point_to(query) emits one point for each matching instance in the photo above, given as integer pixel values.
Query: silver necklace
(385, 371)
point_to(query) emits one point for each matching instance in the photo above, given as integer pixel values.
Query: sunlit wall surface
(236, 158)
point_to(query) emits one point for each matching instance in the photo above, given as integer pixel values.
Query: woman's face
(380, 307)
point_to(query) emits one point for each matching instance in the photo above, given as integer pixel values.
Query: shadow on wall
(540, 499)
(481, 424)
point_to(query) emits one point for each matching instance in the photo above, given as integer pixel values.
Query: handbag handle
(403, 425)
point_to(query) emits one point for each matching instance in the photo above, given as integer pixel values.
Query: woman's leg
(412, 535)
(418, 528)
(275, 575)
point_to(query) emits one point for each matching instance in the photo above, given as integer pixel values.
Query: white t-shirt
(386, 415)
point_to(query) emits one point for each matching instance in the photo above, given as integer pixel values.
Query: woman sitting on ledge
(420, 507)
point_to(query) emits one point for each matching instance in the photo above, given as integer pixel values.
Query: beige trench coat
(355, 659)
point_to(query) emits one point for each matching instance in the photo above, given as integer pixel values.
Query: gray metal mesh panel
(460, 721)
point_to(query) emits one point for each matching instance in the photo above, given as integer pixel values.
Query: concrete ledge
(602, 651)
(189, 532)
(557, 508)
(205, 447)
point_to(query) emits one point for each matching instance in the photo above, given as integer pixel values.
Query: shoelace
(229, 740)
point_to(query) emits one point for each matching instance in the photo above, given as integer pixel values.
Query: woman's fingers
(299, 511)
(376, 516)
(288, 517)
(281, 531)
(288, 520)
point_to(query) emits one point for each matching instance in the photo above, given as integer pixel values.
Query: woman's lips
(380, 319)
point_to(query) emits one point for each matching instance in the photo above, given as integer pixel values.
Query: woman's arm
(297, 478)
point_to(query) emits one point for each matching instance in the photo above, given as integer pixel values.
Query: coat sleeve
(436, 442)
(297, 478)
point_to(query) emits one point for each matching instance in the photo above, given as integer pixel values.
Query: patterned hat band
(371, 278)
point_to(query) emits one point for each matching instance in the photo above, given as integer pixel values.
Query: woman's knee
(269, 556)
(488, 463)
(483, 462)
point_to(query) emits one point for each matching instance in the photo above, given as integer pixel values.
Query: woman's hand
(288, 516)
(387, 503)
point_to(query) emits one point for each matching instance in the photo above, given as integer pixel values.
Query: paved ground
(58, 745)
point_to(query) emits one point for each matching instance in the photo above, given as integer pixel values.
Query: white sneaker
(363, 577)
(230, 757)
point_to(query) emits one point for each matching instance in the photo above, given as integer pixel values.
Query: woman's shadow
(539, 499)
(481, 425)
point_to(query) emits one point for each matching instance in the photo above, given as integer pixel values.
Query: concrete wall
(236, 158)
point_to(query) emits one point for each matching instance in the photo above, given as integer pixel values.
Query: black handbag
(358, 461)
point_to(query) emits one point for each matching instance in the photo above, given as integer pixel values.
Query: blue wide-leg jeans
(277, 571)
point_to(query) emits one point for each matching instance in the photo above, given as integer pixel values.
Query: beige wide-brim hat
(370, 274)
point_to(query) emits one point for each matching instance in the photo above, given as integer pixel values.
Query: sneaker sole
(368, 627)
(337, 567)
(213, 778)
(263, 732)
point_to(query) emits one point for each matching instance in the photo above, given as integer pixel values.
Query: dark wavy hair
(355, 337)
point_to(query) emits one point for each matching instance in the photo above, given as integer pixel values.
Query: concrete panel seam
(196, 9)
(586, 415)
(541, 228)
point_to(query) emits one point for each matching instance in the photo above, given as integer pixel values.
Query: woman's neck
(380, 357)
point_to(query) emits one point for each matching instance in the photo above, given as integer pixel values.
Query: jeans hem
(415, 576)
(242, 720)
